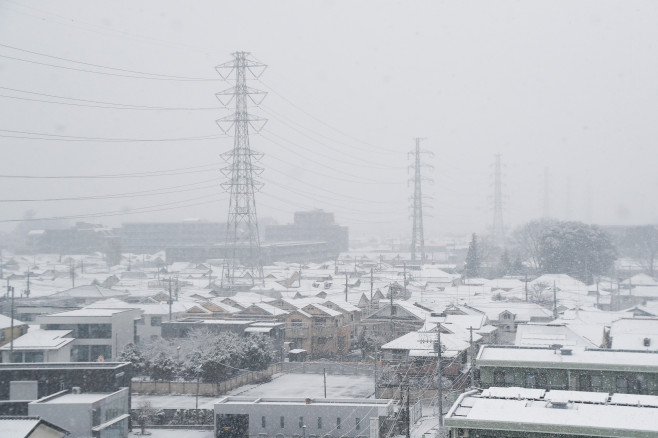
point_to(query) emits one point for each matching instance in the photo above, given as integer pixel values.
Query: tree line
(206, 356)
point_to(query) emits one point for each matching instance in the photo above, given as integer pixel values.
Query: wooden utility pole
(437, 348)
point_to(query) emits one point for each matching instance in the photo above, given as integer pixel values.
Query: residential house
(7, 333)
(100, 334)
(39, 345)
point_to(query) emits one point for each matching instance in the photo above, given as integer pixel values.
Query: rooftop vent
(559, 405)
(566, 352)
(647, 342)
(76, 390)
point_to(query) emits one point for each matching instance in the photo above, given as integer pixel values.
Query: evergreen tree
(472, 264)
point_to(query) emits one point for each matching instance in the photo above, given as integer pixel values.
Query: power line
(155, 173)
(291, 103)
(146, 209)
(45, 64)
(157, 75)
(56, 137)
(103, 105)
(155, 192)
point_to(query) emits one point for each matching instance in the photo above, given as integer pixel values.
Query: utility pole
(408, 412)
(2, 269)
(371, 286)
(554, 301)
(11, 332)
(498, 230)
(27, 290)
(437, 348)
(170, 299)
(405, 281)
(346, 287)
(472, 369)
(242, 244)
(417, 233)
(376, 363)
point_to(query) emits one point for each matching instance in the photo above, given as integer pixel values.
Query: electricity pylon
(242, 245)
(418, 233)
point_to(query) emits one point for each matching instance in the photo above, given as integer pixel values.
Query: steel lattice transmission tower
(242, 245)
(418, 233)
(498, 230)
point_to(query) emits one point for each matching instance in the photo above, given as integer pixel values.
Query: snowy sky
(568, 86)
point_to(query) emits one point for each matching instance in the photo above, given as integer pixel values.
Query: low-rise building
(100, 334)
(583, 369)
(521, 413)
(9, 331)
(244, 417)
(90, 414)
(39, 346)
(30, 427)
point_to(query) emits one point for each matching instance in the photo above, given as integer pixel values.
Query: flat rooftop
(302, 401)
(63, 366)
(579, 358)
(545, 411)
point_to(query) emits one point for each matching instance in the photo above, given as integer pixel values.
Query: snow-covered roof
(635, 334)
(5, 322)
(37, 339)
(579, 358)
(536, 335)
(532, 414)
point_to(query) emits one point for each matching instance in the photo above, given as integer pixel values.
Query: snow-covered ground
(282, 385)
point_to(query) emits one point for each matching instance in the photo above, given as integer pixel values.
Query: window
(296, 322)
(622, 385)
(156, 321)
(338, 423)
(358, 423)
(499, 378)
(542, 381)
(282, 422)
(597, 383)
(322, 341)
(301, 422)
(530, 381)
(584, 382)
(2, 336)
(509, 378)
(34, 356)
(262, 422)
(319, 422)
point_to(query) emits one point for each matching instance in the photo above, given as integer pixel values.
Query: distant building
(314, 225)
(39, 346)
(150, 237)
(244, 417)
(82, 238)
(522, 413)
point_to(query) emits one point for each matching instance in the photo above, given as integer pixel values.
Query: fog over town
(281, 219)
